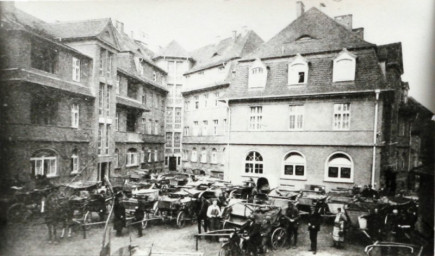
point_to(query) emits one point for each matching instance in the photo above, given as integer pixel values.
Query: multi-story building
(205, 123)
(176, 61)
(316, 104)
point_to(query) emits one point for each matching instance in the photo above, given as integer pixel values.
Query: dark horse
(57, 211)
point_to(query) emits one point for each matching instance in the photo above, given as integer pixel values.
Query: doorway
(103, 171)
(172, 163)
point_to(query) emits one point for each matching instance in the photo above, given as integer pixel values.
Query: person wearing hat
(119, 214)
(254, 239)
(314, 222)
(138, 217)
(292, 215)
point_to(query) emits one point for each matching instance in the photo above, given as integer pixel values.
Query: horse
(57, 211)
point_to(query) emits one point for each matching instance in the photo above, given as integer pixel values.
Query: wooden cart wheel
(17, 213)
(278, 238)
(180, 219)
(87, 219)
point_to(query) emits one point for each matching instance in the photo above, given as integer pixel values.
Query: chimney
(345, 20)
(300, 8)
(119, 26)
(359, 32)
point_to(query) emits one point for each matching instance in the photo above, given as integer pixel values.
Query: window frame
(42, 159)
(75, 163)
(255, 118)
(194, 156)
(294, 70)
(257, 75)
(213, 158)
(299, 111)
(336, 75)
(75, 69)
(75, 115)
(339, 179)
(341, 113)
(285, 162)
(203, 158)
(254, 164)
(132, 158)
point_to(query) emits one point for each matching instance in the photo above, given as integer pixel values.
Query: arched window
(344, 67)
(132, 157)
(257, 75)
(298, 71)
(44, 162)
(254, 163)
(75, 162)
(294, 166)
(339, 167)
(116, 158)
(194, 157)
(214, 156)
(203, 155)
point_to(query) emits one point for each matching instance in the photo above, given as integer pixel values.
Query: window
(100, 99)
(166, 160)
(154, 76)
(215, 127)
(296, 117)
(156, 127)
(177, 139)
(298, 71)
(138, 65)
(106, 151)
(118, 82)
(205, 100)
(204, 128)
(117, 121)
(74, 162)
(254, 163)
(169, 139)
(44, 162)
(225, 124)
(341, 116)
(344, 67)
(156, 100)
(216, 98)
(214, 156)
(76, 69)
(169, 115)
(294, 166)
(131, 121)
(142, 156)
(156, 155)
(132, 157)
(177, 118)
(100, 138)
(186, 105)
(194, 157)
(339, 167)
(186, 130)
(255, 119)
(103, 55)
(116, 158)
(196, 102)
(109, 64)
(257, 75)
(149, 156)
(75, 116)
(43, 57)
(108, 94)
(203, 155)
(149, 126)
(195, 128)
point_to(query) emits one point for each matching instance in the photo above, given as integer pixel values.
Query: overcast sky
(194, 23)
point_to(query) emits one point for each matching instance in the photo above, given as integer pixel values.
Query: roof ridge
(79, 21)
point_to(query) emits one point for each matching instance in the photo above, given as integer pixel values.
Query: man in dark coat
(292, 215)
(253, 228)
(119, 212)
(202, 214)
(138, 217)
(314, 222)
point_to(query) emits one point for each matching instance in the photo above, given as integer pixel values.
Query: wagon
(144, 198)
(335, 199)
(309, 198)
(178, 206)
(281, 196)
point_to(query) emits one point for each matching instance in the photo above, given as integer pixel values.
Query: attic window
(257, 75)
(344, 67)
(304, 38)
(298, 71)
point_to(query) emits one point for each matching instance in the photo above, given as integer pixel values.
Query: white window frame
(287, 162)
(75, 115)
(257, 75)
(256, 118)
(195, 128)
(296, 117)
(149, 127)
(156, 155)
(203, 156)
(254, 163)
(76, 69)
(213, 159)
(75, 163)
(186, 130)
(132, 159)
(204, 130)
(342, 180)
(149, 156)
(345, 61)
(215, 126)
(156, 127)
(41, 171)
(194, 156)
(341, 110)
(299, 65)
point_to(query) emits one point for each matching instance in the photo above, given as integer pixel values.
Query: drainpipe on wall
(375, 132)
(228, 138)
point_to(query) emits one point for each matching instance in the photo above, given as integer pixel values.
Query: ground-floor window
(294, 166)
(44, 163)
(132, 157)
(254, 163)
(339, 168)
(214, 156)
(75, 162)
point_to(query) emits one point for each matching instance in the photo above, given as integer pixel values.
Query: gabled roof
(225, 50)
(173, 49)
(312, 32)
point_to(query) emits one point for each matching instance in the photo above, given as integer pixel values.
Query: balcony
(130, 103)
(128, 137)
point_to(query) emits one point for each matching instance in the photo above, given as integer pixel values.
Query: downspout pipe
(228, 138)
(375, 133)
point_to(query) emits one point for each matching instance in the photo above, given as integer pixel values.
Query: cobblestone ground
(22, 240)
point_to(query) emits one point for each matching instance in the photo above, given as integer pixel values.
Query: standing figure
(292, 214)
(214, 214)
(314, 222)
(138, 217)
(201, 213)
(338, 231)
(51, 211)
(119, 212)
(375, 224)
(254, 239)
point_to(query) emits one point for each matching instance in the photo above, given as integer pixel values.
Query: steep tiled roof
(173, 49)
(312, 32)
(79, 29)
(225, 50)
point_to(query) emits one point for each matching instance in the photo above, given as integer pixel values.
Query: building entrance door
(172, 163)
(103, 171)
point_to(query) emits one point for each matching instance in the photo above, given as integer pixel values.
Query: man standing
(119, 212)
(202, 214)
(138, 217)
(338, 231)
(254, 240)
(314, 222)
(292, 214)
(213, 214)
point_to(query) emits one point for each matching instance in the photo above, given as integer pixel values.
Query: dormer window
(344, 67)
(257, 75)
(298, 71)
